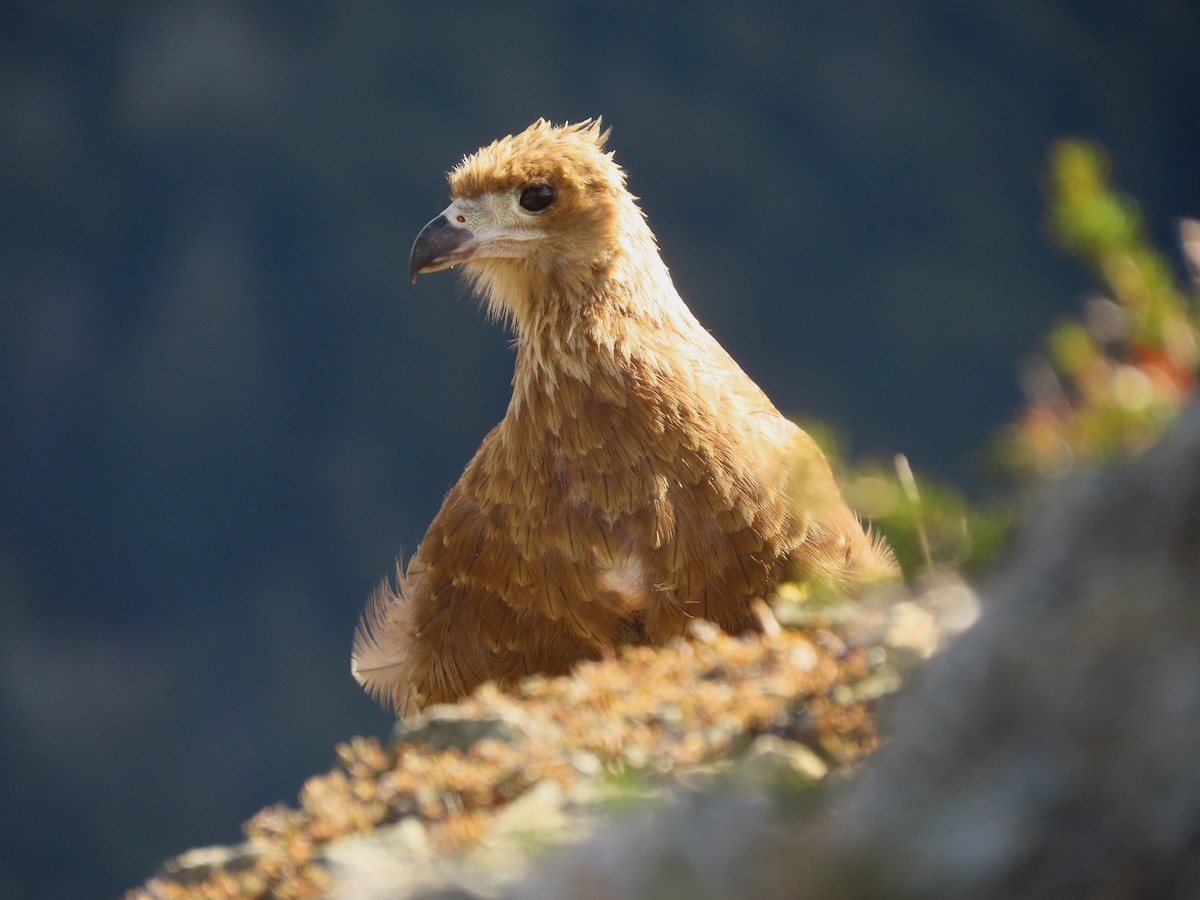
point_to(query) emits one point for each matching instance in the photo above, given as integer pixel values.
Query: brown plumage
(639, 478)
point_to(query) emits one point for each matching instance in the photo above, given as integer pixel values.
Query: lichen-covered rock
(466, 796)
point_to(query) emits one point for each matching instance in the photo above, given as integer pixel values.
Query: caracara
(639, 478)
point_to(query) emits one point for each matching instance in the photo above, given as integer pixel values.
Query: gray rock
(447, 727)
(199, 865)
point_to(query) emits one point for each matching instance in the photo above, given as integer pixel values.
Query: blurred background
(225, 411)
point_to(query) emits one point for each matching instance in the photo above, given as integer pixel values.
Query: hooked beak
(440, 245)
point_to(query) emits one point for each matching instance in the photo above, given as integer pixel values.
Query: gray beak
(440, 244)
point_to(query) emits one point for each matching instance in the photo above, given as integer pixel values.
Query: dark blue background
(225, 410)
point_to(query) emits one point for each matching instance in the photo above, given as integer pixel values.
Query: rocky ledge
(467, 796)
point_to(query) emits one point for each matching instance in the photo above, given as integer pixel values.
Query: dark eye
(538, 196)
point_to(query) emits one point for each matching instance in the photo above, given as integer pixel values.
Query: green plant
(1113, 379)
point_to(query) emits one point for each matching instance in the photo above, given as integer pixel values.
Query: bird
(638, 480)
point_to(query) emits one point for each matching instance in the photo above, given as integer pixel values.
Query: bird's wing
(837, 548)
(488, 594)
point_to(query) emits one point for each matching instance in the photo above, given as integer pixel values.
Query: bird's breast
(626, 583)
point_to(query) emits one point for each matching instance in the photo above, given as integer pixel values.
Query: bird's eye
(537, 196)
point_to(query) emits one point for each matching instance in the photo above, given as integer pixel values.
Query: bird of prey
(638, 480)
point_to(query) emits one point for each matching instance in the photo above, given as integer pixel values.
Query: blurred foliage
(1108, 386)
(1113, 379)
(929, 523)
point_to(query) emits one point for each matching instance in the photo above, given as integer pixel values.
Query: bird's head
(535, 217)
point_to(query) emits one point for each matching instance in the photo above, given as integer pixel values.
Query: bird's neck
(631, 321)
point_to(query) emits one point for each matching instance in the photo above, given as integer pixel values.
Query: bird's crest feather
(569, 154)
